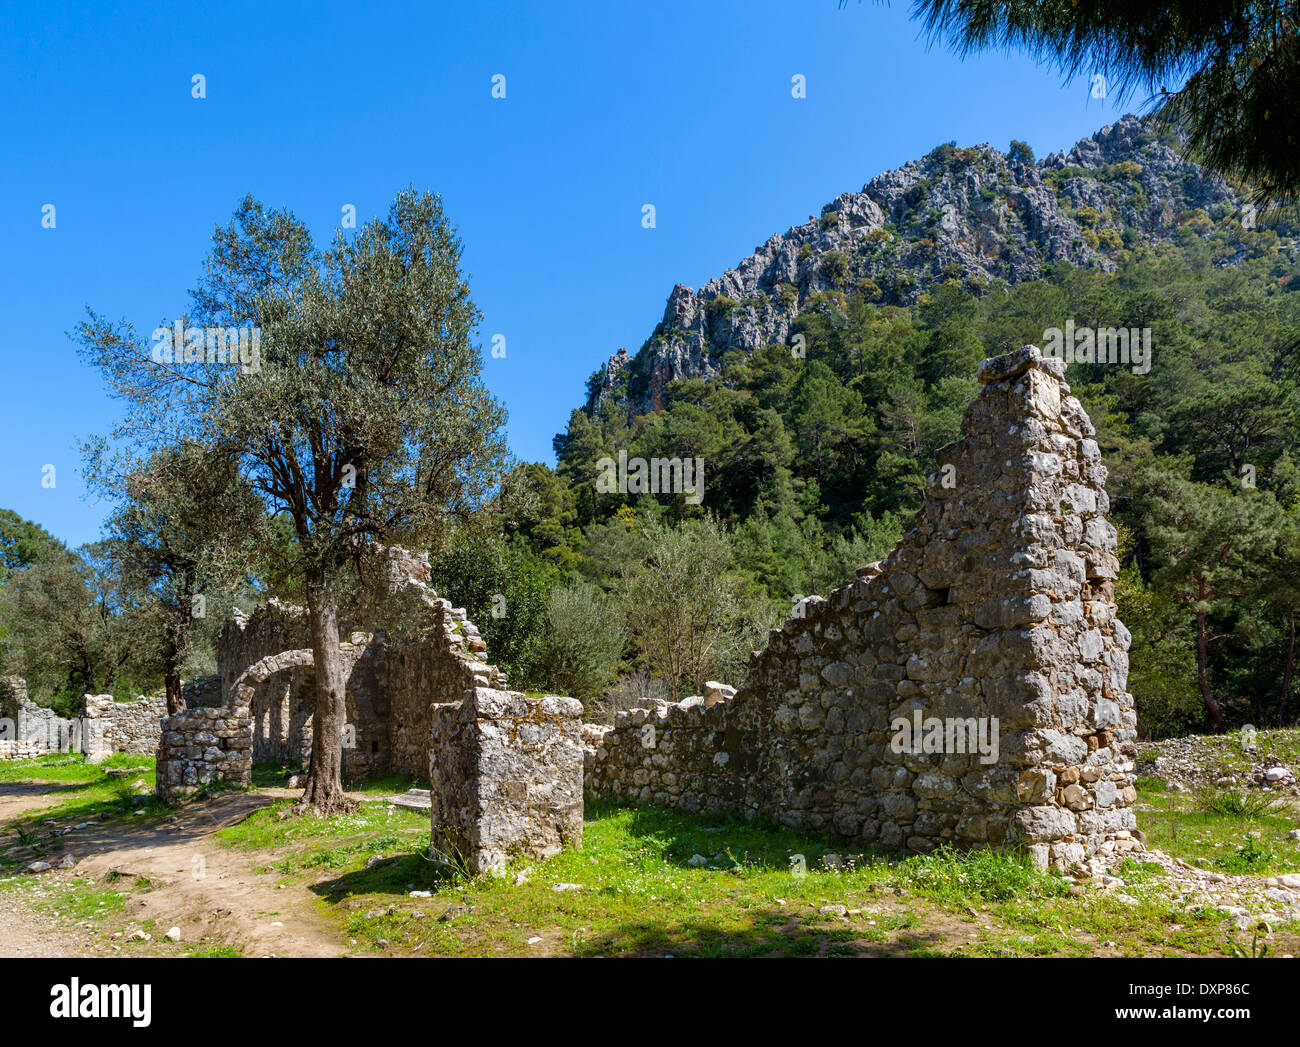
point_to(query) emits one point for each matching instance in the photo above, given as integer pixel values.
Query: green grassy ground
(641, 894)
(1230, 837)
(81, 791)
(652, 882)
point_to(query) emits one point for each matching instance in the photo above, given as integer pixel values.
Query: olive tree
(354, 406)
(182, 538)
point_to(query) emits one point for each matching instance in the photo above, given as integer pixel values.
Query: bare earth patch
(176, 877)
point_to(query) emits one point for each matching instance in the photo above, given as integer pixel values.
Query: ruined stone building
(100, 727)
(505, 769)
(265, 667)
(969, 689)
(998, 606)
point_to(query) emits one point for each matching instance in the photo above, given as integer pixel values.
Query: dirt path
(208, 890)
(19, 798)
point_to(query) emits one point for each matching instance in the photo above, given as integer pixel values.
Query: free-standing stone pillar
(505, 773)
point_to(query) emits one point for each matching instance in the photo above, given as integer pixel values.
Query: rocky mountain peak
(975, 216)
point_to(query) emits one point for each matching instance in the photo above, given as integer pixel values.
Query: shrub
(835, 267)
(868, 289)
(915, 195)
(584, 641)
(719, 306)
(1110, 239)
(1232, 804)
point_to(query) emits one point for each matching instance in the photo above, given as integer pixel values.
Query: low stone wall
(102, 725)
(200, 746)
(123, 727)
(505, 774)
(670, 754)
(992, 622)
(11, 749)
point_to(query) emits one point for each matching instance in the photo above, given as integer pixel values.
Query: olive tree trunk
(324, 793)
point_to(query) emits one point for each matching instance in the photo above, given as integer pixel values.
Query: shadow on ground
(397, 875)
(157, 825)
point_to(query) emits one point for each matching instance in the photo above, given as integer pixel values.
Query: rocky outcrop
(972, 215)
(969, 689)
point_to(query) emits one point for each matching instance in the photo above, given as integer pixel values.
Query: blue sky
(609, 106)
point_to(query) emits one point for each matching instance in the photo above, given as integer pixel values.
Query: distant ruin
(102, 725)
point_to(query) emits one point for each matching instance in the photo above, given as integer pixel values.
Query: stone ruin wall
(104, 725)
(999, 603)
(124, 727)
(203, 746)
(505, 774)
(265, 667)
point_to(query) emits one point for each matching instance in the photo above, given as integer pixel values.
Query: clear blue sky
(609, 106)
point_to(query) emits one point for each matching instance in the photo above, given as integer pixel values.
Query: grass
(80, 791)
(655, 883)
(1222, 830)
(72, 767)
(86, 789)
(1233, 804)
(752, 891)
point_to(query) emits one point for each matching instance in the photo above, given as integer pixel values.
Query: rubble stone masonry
(997, 606)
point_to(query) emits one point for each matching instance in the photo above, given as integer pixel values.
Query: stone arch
(280, 732)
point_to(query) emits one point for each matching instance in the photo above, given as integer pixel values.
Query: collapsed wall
(123, 727)
(102, 725)
(970, 689)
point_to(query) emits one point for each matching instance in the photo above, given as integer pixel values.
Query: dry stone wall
(102, 726)
(505, 773)
(123, 727)
(969, 689)
(204, 746)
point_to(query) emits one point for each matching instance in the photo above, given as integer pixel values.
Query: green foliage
(67, 630)
(683, 603)
(835, 267)
(583, 643)
(23, 543)
(814, 463)
(1249, 857)
(1233, 804)
(991, 876)
(504, 590)
(1237, 63)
